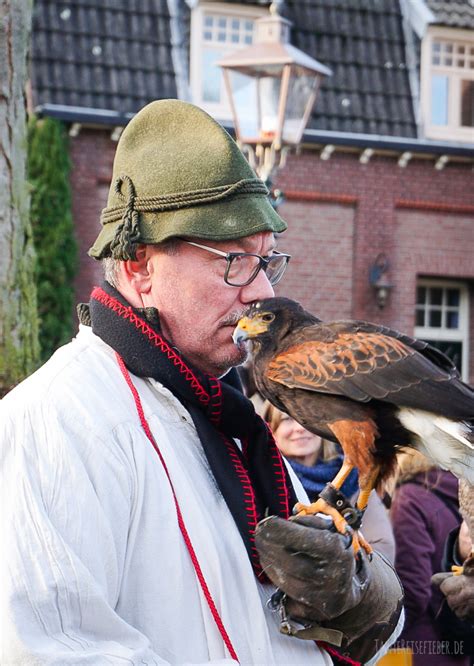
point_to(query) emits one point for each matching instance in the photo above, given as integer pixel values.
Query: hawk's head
(271, 320)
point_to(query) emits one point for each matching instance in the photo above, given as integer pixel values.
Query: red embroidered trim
(182, 526)
(280, 474)
(127, 313)
(250, 504)
(215, 409)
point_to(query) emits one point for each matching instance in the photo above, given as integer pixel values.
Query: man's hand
(350, 602)
(305, 557)
(459, 593)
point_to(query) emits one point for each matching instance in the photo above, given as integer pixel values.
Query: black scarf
(254, 482)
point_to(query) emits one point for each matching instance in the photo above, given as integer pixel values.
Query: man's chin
(235, 357)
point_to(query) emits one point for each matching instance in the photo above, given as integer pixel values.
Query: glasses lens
(275, 268)
(242, 269)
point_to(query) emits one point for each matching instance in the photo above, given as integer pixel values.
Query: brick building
(383, 183)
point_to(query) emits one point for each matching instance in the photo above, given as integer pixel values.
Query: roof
(118, 55)
(102, 54)
(452, 13)
(362, 41)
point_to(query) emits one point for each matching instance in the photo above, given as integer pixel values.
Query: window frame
(452, 131)
(220, 110)
(461, 334)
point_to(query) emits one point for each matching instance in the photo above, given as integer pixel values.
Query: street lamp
(272, 87)
(378, 279)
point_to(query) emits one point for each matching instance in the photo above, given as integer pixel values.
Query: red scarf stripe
(127, 313)
(249, 502)
(280, 473)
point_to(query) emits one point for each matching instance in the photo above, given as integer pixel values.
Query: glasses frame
(264, 262)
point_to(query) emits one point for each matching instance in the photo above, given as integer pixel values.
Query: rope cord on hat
(178, 199)
(127, 235)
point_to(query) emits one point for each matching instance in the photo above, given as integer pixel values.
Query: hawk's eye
(268, 317)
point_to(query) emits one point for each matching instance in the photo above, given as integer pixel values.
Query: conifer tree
(53, 233)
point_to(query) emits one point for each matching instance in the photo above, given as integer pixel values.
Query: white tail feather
(442, 440)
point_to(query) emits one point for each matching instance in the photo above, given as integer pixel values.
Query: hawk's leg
(324, 506)
(357, 441)
(366, 487)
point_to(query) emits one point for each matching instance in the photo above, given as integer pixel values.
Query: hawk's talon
(340, 523)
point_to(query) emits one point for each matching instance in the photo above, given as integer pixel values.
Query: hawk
(370, 388)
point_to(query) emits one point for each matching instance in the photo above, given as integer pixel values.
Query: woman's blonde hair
(273, 417)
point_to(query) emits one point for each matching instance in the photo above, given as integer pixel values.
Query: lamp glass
(302, 88)
(256, 96)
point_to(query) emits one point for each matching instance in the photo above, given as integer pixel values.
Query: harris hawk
(369, 388)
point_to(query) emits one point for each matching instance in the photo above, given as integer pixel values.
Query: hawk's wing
(364, 363)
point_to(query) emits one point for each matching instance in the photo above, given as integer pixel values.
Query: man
(135, 479)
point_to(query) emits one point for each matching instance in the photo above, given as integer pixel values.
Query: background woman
(424, 511)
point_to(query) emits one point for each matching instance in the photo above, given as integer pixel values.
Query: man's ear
(136, 272)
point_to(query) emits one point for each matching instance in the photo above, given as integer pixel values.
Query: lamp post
(272, 87)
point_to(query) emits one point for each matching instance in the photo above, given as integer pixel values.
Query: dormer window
(448, 84)
(217, 29)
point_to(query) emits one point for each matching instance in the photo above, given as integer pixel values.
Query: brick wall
(92, 153)
(341, 215)
(320, 238)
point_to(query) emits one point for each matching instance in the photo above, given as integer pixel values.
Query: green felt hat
(177, 172)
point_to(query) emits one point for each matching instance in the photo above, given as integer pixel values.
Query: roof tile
(108, 54)
(453, 13)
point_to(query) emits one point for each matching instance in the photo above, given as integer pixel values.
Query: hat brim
(233, 218)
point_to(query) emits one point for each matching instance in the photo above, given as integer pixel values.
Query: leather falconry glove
(459, 593)
(350, 602)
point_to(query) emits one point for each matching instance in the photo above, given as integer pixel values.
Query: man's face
(198, 310)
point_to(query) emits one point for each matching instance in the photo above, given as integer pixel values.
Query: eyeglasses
(243, 267)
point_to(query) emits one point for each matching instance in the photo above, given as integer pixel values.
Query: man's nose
(257, 290)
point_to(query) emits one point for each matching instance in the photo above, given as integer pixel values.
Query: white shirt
(94, 567)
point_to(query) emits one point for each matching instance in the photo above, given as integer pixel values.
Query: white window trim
(452, 131)
(460, 334)
(222, 110)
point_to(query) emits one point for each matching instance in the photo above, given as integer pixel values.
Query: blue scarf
(315, 478)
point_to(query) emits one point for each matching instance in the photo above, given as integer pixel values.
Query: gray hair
(111, 266)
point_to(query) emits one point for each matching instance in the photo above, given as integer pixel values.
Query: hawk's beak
(248, 327)
(240, 333)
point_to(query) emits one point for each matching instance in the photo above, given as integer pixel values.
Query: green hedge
(53, 232)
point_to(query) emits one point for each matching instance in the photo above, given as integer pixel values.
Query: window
(448, 84)
(441, 318)
(217, 29)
